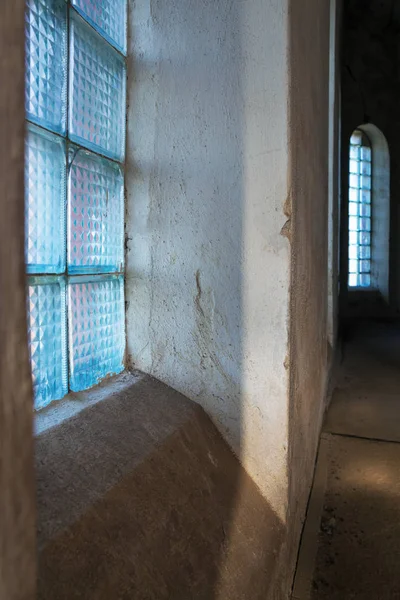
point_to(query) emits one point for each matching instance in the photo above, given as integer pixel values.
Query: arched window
(369, 210)
(360, 210)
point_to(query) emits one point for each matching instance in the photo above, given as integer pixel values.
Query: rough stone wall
(371, 93)
(17, 513)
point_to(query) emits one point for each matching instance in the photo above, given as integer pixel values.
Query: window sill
(74, 402)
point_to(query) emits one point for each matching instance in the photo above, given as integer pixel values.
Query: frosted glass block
(365, 168)
(366, 196)
(353, 278)
(354, 181)
(366, 153)
(365, 224)
(355, 152)
(353, 223)
(46, 63)
(365, 210)
(354, 166)
(365, 266)
(353, 208)
(353, 252)
(364, 252)
(365, 280)
(365, 182)
(353, 266)
(47, 338)
(108, 17)
(95, 215)
(96, 329)
(353, 194)
(97, 89)
(44, 202)
(365, 238)
(353, 237)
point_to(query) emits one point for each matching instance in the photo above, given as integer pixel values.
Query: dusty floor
(355, 503)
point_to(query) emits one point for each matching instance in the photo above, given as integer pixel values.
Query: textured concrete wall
(371, 93)
(207, 179)
(336, 11)
(17, 505)
(309, 128)
(227, 225)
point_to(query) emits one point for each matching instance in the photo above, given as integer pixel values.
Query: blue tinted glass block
(353, 194)
(97, 88)
(366, 153)
(108, 17)
(355, 152)
(365, 210)
(47, 338)
(44, 201)
(353, 208)
(365, 280)
(96, 329)
(95, 214)
(365, 238)
(353, 266)
(353, 237)
(46, 63)
(353, 223)
(353, 252)
(354, 166)
(365, 182)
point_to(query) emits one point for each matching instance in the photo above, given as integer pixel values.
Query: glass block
(353, 266)
(95, 215)
(97, 88)
(365, 168)
(365, 224)
(364, 280)
(44, 201)
(365, 238)
(365, 210)
(366, 153)
(47, 338)
(96, 329)
(354, 181)
(364, 252)
(353, 208)
(353, 252)
(355, 152)
(365, 266)
(353, 279)
(46, 63)
(366, 196)
(353, 194)
(353, 237)
(365, 182)
(108, 17)
(353, 223)
(354, 166)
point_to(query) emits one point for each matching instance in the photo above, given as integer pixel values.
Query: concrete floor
(351, 540)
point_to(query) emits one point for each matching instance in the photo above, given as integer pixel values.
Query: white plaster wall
(207, 178)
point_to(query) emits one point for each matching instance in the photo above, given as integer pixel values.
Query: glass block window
(360, 211)
(75, 100)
